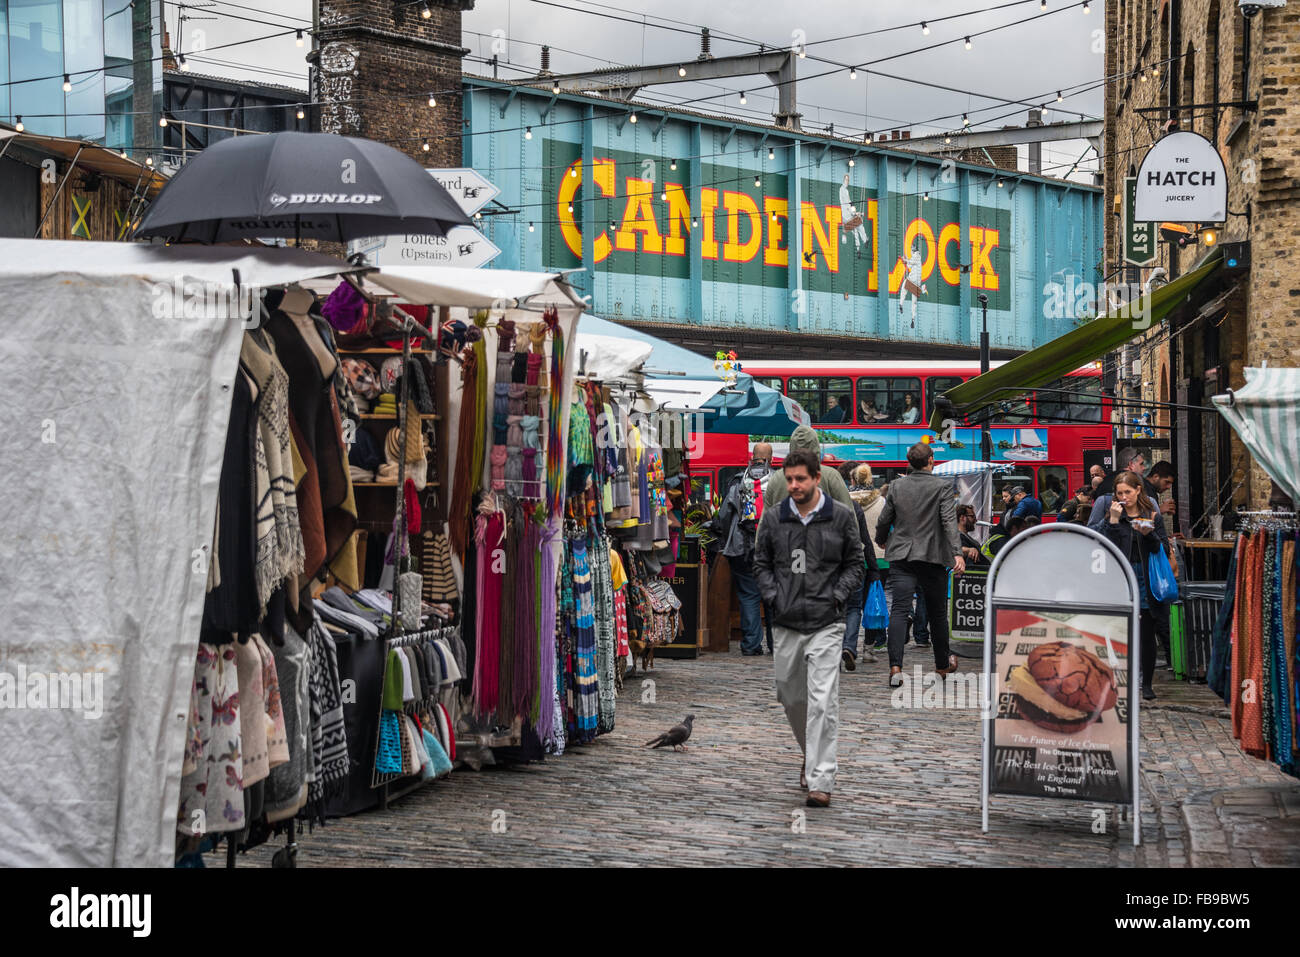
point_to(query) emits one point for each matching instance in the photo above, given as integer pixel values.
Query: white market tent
(118, 410)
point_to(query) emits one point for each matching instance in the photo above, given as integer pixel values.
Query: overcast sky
(1029, 61)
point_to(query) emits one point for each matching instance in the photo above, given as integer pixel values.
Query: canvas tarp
(1265, 412)
(116, 419)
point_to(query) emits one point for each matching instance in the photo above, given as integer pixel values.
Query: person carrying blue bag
(860, 609)
(1129, 519)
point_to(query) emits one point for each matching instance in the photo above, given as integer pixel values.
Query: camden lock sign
(1182, 180)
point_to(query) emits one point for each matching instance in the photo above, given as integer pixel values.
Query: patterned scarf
(329, 742)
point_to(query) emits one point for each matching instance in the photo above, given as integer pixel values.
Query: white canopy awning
(473, 288)
(257, 265)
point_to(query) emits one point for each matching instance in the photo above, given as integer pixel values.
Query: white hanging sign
(1182, 180)
(463, 246)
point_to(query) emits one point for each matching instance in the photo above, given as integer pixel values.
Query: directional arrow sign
(463, 246)
(470, 190)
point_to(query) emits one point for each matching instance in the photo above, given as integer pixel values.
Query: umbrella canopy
(304, 185)
(1265, 412)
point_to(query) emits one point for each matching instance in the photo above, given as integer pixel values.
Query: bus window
(1083, 404)
(937, 385)
(1009, 480)
(1053, 487)
(772, 382)
(889, 400)
(815, 394)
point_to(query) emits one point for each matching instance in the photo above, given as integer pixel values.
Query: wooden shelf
(393, 418)
(386, 484)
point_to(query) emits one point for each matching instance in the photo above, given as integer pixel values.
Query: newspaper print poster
(1061, 728)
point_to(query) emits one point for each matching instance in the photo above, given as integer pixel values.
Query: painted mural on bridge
(687, 219)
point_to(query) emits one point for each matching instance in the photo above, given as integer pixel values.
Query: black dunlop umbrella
(305, 185)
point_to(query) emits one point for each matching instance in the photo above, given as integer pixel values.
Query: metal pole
(986, 438)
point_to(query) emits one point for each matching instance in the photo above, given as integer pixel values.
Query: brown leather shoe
(951, 669)
(895, 672)
(818, 799)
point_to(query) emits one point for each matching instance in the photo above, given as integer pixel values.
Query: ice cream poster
(1061, 724)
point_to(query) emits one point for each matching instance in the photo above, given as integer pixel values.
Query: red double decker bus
(873, 411)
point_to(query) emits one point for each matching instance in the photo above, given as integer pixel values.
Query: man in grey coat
(805, 439)
(808, 560)
(918, 530)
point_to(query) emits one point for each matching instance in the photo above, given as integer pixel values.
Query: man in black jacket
(918, 528)
(808, 560)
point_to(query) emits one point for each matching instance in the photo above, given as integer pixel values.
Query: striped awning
(962, 467)
(1265, 412)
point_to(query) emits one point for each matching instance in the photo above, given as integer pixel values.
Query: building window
(893, 400)
(826, 399)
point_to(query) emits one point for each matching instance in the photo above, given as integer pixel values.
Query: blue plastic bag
(875, 611)
(1160, 577)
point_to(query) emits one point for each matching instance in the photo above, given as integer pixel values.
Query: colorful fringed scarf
(329, 742)
(525, 624)
(585, 679)
(547, 650)
(480, 400)
(603, 594)
(489, 530)
(554, 447)
(508, 555)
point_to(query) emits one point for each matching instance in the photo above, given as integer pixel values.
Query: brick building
(1201, 66)
(377, 64)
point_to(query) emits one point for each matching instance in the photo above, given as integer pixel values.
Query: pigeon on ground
(675, 736)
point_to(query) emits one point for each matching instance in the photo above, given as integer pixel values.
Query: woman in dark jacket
(853, 616)
(1130, 520)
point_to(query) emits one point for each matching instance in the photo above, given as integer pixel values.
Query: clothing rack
(1268, 518)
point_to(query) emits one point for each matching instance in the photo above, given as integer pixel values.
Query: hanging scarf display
(554, 460)
(548, 721)
(329, 741)
(488, 537)
(603, 597)
(585, 688)
(465, 481)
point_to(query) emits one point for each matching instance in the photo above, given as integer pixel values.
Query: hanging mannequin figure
(912, 282)
(851, 219)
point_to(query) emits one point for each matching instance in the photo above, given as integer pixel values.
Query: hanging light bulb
(530, 227)
(162, 121)
(927, 196)
(1042, 4)
(743, 101)
(850, 162)
(758, 182)
(183, 62)
(433, 101)
(425, 12)
(695, 223)
(573, 172)
(148, 161)
(19, 125)
(425, 146)
(771, 153)
(965, 120)
(555, 87)
(947, 138)
(853, 73)
(1142, 77)
(632, 118)
(570, 207)
(664, 196)
(1000, 182)
(1086, 8)
(681, 71)
(1058, 96)
(478, 216)
(528, 132)
(298, 39)
(613, 226)
(301, 114)
(925, 29)
(67, 83)
(968, 43)
(673, 165)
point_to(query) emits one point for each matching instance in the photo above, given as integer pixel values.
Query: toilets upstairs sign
(1182, 180)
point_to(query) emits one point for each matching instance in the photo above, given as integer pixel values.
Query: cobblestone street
(907, 793)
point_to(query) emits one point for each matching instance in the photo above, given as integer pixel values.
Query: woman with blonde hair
(1129, 519)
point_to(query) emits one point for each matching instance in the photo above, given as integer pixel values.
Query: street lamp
(986, 439)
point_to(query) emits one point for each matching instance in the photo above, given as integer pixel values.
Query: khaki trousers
(808, 687)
